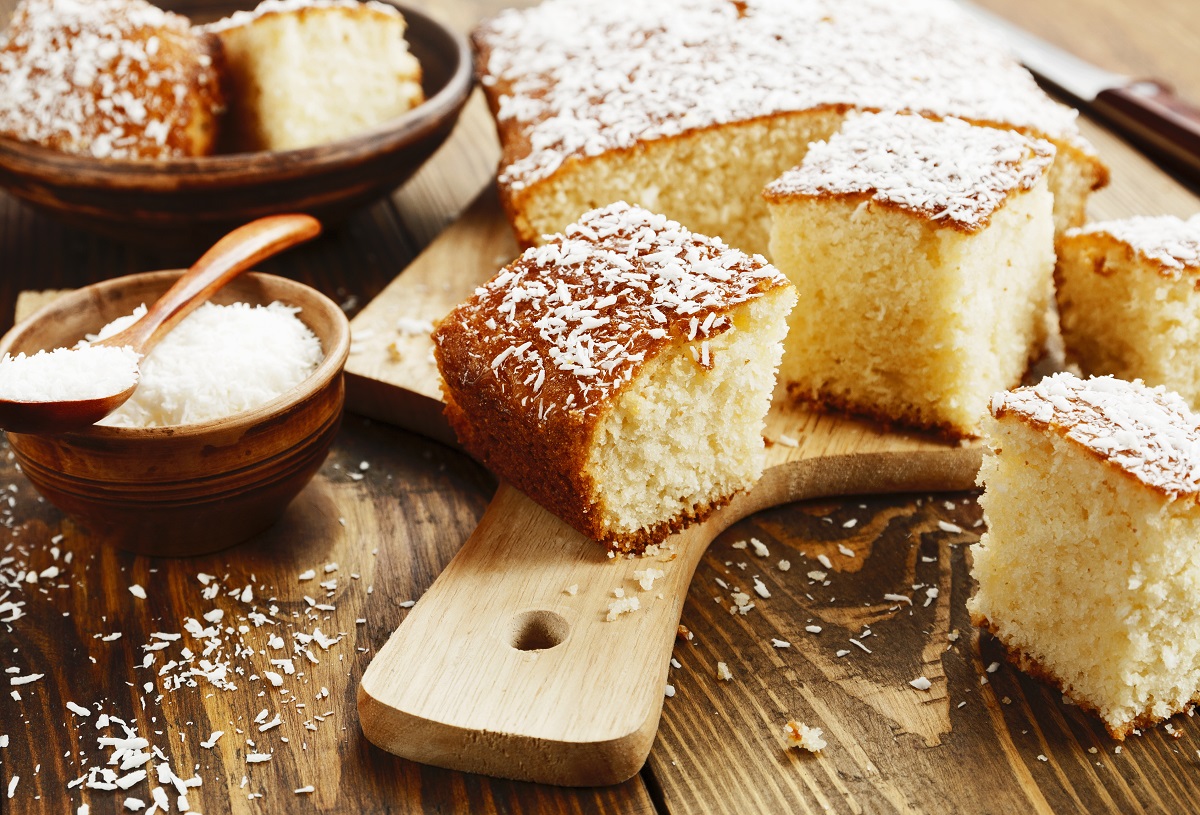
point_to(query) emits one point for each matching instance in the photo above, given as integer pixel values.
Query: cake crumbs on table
(803, 737)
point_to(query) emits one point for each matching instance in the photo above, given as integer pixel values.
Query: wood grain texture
(961, 746)
(395, 548)
(718, 748)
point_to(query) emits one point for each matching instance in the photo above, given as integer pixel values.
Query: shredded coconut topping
(1148, 432)
(103, 77)
(241, 18)
(577, 317)
(949, 171)
(66, 374)
(1169, 242)
(581, 78)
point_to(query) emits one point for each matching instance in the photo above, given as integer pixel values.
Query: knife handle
(1163, 124)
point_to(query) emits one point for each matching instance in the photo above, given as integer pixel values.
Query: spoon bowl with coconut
(70, 388)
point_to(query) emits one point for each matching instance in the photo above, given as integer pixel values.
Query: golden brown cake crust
(532, 362)
(1169, 245)
(908, 420)
(109, 78)
(1031, 666)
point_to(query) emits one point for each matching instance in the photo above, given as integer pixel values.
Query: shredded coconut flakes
(580, 78)
(1149, 433)
(1170, 243)
(949, 171)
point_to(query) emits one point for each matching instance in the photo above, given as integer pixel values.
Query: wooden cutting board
(509, 665)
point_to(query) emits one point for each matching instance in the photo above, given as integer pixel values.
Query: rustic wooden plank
(891, 748)
(390, 532)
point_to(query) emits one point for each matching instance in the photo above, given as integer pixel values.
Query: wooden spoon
(229, 257)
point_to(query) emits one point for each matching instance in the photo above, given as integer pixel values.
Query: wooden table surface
(1010, 745)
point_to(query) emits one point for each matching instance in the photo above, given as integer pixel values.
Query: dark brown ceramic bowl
(198, 199)
(185, 489)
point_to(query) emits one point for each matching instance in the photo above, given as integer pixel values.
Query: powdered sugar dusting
(576, 318)
(103, 77)
(1171, 243)
(1148, 432)
(949, 171)
(581, 78)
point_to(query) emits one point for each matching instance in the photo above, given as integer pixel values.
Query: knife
(1146, 111)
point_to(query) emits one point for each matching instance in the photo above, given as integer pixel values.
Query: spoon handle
(229, 257)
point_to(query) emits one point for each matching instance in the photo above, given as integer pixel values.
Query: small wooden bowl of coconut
(234, 413)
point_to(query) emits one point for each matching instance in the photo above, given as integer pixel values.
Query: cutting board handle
(509, 666)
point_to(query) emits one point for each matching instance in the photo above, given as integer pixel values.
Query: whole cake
(306, 72)
(1088, 569)
(690, 107)
(923, 253)
(620, 374)
(1129, 300)
(109, 78)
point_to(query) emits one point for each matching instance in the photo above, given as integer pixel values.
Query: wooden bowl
(185, 489)
(198, 199)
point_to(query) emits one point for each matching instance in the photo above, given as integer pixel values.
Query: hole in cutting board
(537, 630)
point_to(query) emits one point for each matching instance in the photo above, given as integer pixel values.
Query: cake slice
(1129, 300)
(1089, 568)
(117, 79)
(691, 107)
(923, 253)
(307, 72)
(620, 374)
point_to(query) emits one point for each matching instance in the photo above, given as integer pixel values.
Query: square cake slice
(1129, 300)
(308, 72)
(1090, 567)
(620, 374)
(923, 253)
